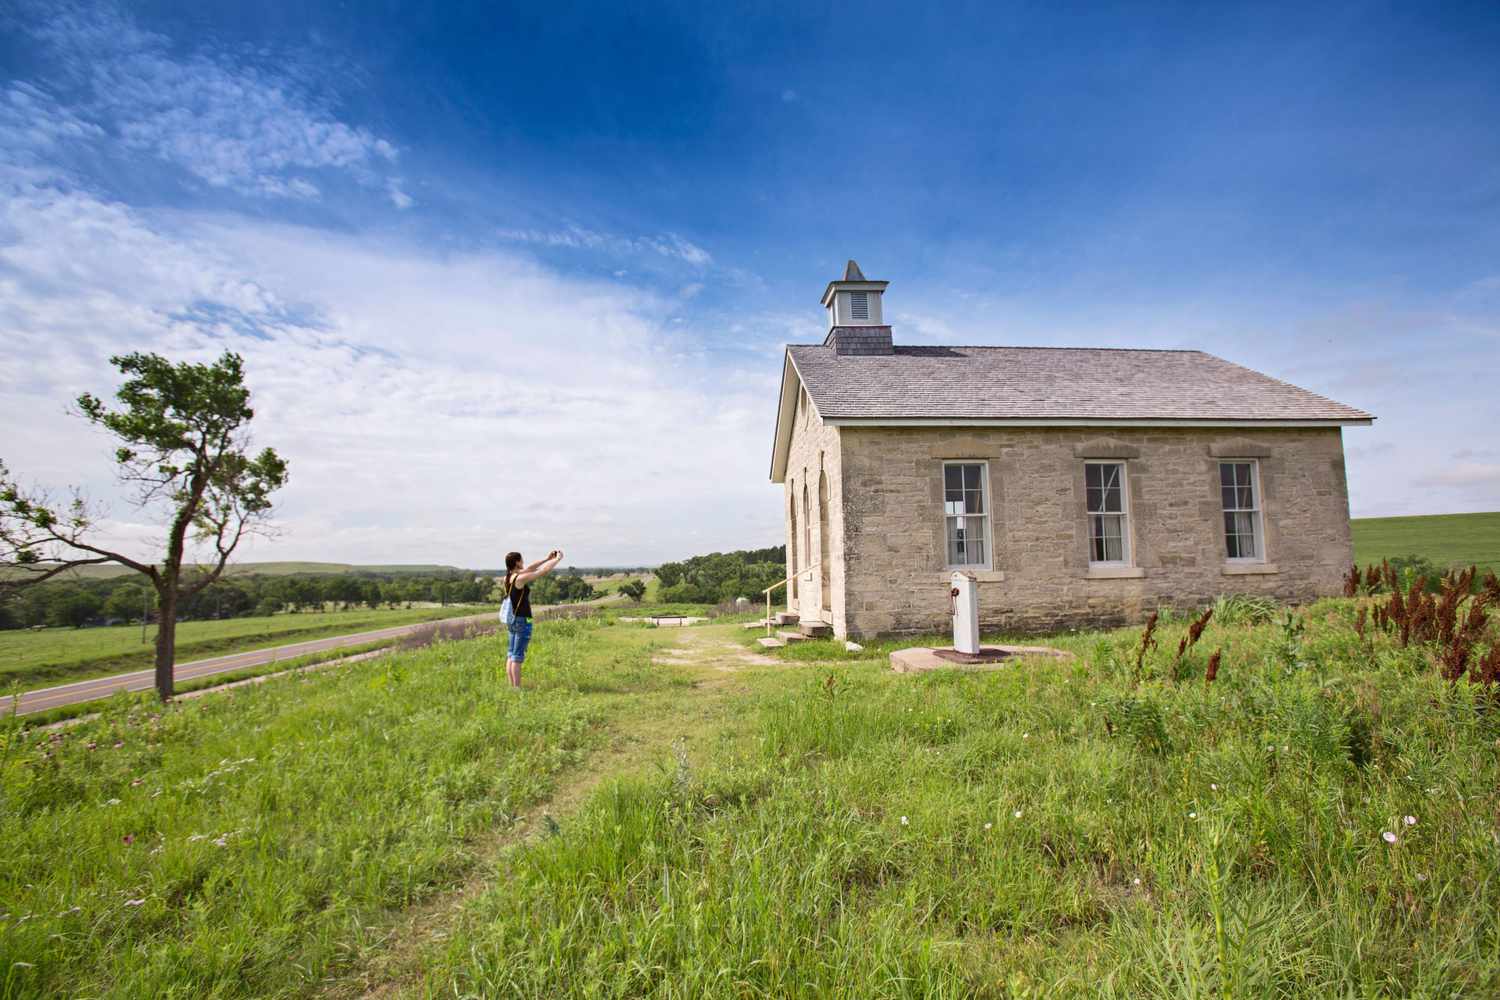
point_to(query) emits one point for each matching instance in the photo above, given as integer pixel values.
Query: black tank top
(520, 601)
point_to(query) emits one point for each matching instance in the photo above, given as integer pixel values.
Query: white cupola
(856, 323)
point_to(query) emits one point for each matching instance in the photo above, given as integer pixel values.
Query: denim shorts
(520, 638)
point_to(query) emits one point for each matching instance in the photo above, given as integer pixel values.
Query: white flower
(904, 821)
(1388, 837)
(1135, 881)
(1192, 815)
(113, 802)
(1421, 877)
(1214, 787)
(1018, 814)
(1025, 736)
(1409, 820)
(134, 902)
(988, 825)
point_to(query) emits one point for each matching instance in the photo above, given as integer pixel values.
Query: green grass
(30, 659)
(272, 828)
(1446, 539)
(1050, 828)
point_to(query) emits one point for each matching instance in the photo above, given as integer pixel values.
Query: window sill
(1250, 569)
(1114, 573)
(980, 575)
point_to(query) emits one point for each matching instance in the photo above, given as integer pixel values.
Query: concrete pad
(919, 659)
(770, 642)
(791, 636)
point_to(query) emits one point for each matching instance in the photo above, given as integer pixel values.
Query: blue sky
(522, 278)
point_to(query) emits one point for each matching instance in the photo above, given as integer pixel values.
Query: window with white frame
(1239, 486)
(859, 305)
(1109, 516)
(966, 513)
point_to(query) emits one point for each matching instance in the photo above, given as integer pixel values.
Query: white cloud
(216, 114)
(434, 406)
(1467, 475)
(398, 197)
(668, 245)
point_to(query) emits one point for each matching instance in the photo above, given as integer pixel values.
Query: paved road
(144, 680)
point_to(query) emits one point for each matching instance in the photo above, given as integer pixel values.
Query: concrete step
(787, 618)
(816, 630)
(791, 636)
(760, 624)
(770, 643)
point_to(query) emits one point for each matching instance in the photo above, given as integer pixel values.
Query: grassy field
(1446, 539)
(670, 813)
(31, 659)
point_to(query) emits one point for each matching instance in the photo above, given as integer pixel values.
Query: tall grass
(1320, 820)
(241, 844)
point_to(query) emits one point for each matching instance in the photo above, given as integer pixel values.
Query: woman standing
(518, 579)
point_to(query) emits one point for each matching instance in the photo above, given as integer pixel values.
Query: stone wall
(814, 450)
(893, 560)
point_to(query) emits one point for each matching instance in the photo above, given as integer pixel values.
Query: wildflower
(113, 802)
(904, 821)
(197, 837)
(221, 842)
(1135, 881)
(135, 902)
(1388, 837)
(119, 744)
(137, 782)
(1421, 877)
(1025, 736)
(92, 745)
(1018, 814)
(988, 825)
(1213, 787)
(1409, 820)
(128, 839)
(23, 965)
(1192, 815)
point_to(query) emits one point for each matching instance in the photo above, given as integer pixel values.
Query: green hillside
(1446, 539)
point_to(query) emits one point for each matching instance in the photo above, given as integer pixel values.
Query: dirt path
(643, 730)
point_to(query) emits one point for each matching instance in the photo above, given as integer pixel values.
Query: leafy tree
(127, 600)
(633, 589)
(183, 446)
(73, 607)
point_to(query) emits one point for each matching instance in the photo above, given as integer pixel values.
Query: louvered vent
(859, 305)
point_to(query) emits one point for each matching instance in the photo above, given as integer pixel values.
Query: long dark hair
(512, 563)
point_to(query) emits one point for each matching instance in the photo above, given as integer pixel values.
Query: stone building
(1078, 485)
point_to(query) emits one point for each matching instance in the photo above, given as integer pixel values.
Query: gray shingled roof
(1051, 383)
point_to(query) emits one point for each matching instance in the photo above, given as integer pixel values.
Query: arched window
(792, 540)
(806, 524)
(825, 590)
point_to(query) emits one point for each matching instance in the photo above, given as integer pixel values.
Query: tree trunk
(166, 643)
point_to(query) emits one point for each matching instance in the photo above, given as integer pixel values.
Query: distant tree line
(124, 599)
(722, 576)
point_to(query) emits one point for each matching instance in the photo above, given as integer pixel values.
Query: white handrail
(801, 572)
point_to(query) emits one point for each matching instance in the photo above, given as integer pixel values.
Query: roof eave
(837, 421)
(782, 443)
(852, 286)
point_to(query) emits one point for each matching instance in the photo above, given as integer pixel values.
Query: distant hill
(273, 569)
(1446, 539)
